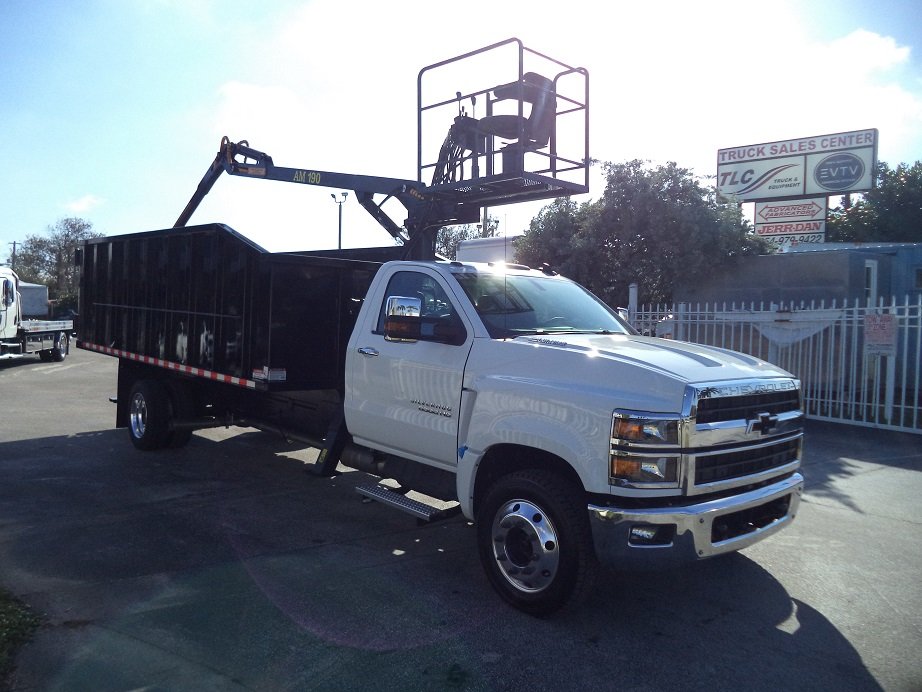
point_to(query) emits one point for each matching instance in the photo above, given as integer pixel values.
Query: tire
(61, 347)
(535, 543)
(183, 407)
(179, 438)
(149, 415)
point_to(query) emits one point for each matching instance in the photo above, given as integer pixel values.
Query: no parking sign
(879, 335)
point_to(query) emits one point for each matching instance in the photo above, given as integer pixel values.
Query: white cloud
(669, 81)
(84, 204)
(751, 87)
(257, 111)
(862, 53)
(864, 87)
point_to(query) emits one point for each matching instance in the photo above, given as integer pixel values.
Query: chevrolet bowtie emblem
(764, 423)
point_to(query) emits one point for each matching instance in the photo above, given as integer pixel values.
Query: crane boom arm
(424, 213)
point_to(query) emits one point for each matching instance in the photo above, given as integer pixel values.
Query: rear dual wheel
(59, 351)
(61, 347)
(152, 407)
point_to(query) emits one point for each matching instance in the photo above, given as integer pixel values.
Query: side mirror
(402, 322)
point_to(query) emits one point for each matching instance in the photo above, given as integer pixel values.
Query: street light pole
(339, 203)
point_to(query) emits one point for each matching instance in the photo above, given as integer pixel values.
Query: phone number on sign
(795, 238)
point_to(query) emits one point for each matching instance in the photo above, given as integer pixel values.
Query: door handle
(368, 351)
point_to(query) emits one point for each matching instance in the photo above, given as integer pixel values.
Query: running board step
(420, 510)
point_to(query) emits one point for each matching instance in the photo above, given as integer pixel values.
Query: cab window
(8, 294)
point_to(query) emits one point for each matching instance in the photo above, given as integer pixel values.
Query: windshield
(515, 304)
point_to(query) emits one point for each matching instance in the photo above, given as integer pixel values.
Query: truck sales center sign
(824, 165)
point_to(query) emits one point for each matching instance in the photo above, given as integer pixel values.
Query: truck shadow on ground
(834, 452)
(229, 555)
(9, 364)
(730, 620)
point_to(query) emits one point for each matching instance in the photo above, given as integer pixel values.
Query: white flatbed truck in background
(48, 339)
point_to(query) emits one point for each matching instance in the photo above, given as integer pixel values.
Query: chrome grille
(745, 462)
(742, 433)
(713, 410)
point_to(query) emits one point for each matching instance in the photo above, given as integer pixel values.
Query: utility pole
(339, 203)
(13, 256)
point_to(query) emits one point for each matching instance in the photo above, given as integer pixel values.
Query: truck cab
(9, 304)
(529, 392)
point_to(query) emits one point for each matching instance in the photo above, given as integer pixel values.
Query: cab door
(403, 394)
(8, 324)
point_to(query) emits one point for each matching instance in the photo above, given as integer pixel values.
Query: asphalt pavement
(225, 566)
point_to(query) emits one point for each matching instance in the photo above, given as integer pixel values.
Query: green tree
(653, 226)
(49, 259)
(559, 237)
(890, 212)
(449, 238)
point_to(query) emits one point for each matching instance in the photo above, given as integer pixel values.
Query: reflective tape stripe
(170, 365)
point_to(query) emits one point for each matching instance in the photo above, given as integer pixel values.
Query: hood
(599, 372)
(679, 360)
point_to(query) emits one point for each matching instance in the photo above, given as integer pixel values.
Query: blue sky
(113, 109)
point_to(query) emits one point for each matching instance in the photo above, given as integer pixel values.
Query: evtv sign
(822, 165)
(839, 172)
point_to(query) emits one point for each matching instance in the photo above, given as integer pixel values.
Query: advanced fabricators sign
(823, 165)
(791, 221)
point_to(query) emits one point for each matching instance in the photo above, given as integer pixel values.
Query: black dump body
(210, 303)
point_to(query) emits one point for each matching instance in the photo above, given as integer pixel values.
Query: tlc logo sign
(761, 179)
(734, 178)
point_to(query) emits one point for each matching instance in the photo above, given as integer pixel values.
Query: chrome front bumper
(692, 532)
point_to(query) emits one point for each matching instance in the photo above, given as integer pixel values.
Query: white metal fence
(858, 365)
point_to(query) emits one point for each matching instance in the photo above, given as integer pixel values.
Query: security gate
(857, 364)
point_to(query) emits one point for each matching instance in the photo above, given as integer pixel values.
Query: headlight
(645, 430)
(637, 469)
(645, 450)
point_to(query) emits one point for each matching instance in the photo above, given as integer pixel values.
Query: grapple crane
(501, 158)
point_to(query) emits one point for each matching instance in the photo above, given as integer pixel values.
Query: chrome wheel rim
(525, 546)
(138, 416)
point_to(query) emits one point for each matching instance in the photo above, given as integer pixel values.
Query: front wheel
(535, 543)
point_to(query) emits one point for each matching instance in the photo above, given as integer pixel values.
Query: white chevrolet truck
(512, 395)
(508, 394)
